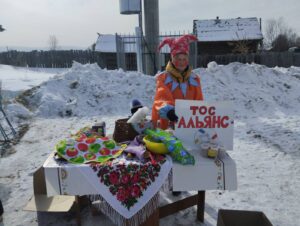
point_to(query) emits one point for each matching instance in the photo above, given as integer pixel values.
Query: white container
(130, 6)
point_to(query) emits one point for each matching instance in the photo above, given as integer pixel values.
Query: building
(215, 37)
(225, 36)
(108, 44)
(115, 47)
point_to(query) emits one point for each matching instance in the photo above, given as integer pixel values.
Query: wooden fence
(53, 59)
(64, 59)
(270, 59)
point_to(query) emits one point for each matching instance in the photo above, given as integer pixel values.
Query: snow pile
(87, 90)
(266, 99)
(18, 113)
(267, 95)
(253, 88)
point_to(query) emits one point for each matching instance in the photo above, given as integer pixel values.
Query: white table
(207, 174)
(63, 178)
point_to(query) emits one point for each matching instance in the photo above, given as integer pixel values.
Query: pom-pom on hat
(135, 105)
(178, 45)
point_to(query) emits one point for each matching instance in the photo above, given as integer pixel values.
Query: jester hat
(179, 45)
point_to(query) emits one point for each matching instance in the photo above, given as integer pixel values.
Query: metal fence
(128, 44)
(126, 52)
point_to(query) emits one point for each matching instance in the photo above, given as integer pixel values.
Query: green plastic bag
(177, 151)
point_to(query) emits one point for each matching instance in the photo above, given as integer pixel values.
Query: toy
(208, 142)
(139, 115)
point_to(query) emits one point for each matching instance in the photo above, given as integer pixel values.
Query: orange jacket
(169, 88)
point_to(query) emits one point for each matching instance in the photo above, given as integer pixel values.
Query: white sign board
(200, 120)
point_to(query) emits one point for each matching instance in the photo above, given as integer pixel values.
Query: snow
(87, 90)
(18, 78)
(266, 140)
(228, 29)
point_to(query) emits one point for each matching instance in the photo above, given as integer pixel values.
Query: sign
(199, 121)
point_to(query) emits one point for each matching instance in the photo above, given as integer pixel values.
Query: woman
(176, 82)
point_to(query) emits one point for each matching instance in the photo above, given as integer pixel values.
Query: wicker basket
(123, 131)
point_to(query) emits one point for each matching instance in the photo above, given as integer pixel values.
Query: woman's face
(180, 61)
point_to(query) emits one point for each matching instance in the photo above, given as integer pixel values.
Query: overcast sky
(29, 23)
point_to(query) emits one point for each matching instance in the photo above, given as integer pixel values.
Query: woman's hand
(172, 116)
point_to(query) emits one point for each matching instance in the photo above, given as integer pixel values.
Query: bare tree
(281, 43)
(1, 28)
(278, 35)
(298, 42)
(273, 28)
(292, 37)
(53, 42)
(93, 47)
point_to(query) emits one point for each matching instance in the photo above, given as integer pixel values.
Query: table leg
(78, 217)
(177, 206)
(200, 205)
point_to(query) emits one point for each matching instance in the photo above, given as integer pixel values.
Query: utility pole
(139, 41)
(151, 32)
(151, 36)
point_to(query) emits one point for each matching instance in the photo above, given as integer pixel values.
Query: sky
(75, 23)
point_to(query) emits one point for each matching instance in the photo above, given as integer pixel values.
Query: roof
(107, 43)
(228, 30)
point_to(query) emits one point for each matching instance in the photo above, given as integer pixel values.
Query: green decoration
(176, 150)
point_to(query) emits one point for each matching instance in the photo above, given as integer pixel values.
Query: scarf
(178, 76)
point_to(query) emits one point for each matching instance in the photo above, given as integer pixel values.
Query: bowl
(154, 146)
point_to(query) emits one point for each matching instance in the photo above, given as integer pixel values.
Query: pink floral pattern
(128, 181)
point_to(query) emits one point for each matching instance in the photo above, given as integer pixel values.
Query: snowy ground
(16, 79)
(266, 141)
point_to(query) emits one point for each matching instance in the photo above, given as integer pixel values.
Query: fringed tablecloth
(129, 189)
